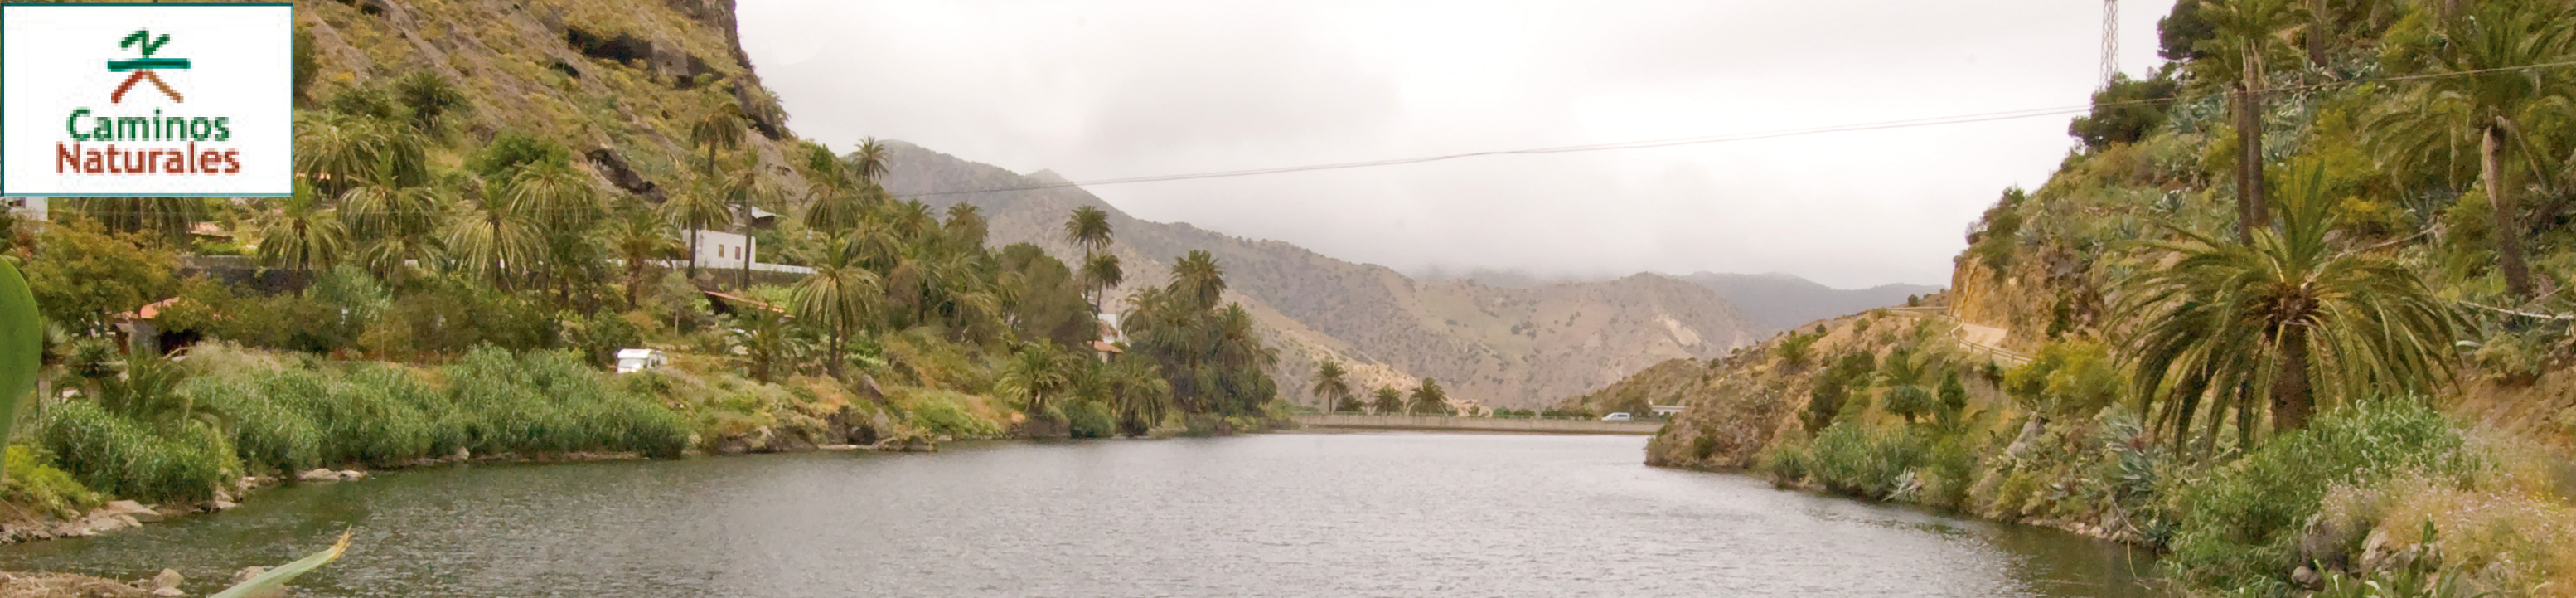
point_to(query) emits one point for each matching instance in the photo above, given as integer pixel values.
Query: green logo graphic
(143, 41)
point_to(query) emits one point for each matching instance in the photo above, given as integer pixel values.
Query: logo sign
(147, 99)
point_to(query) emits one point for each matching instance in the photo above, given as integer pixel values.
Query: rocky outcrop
(613, 167)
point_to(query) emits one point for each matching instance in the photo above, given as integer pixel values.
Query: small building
(26, 207)
(636, 360)
(719, 249)
(1666, 410)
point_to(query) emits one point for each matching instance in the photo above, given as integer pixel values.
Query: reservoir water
(1269, 515)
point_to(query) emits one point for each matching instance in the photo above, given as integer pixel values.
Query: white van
(1617, 417)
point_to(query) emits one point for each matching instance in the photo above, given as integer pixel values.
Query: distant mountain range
(1784, 301)
(1779, 301)
(1518, 345)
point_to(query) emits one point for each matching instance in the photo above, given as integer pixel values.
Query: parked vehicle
(1617, 417)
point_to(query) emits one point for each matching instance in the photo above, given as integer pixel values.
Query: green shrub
(1788, 464)
(33, 481)
(944, 412)
(123, 457)
(1090, 419)
(2239, 525)
(1861, 461)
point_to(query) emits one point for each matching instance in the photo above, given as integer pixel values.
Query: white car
(1617, 417)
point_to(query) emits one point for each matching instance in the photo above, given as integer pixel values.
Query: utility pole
(2111, 41)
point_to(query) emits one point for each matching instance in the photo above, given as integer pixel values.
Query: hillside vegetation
(2290, 313)
(489, 209)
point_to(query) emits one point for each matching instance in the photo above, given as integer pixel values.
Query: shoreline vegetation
(2290, 315)
(459, 268)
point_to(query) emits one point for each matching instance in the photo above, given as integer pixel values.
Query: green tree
(395, 223)
(337, 151)
(2271, 317)
(870, 160)
(1330, 388)
(839, 296)
(1428, 399)
(1044, 300)
(1088, 228)
(2246, 40)
(303, 234)
(719, 125)
(743, 187)
(1389, 400)
(428, 99)
(1035, 375)
(1198, 279)
(640, 237)
(80, 275)
(2480, 77)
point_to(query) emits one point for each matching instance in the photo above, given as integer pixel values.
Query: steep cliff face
(1499, 347)
(615, 81)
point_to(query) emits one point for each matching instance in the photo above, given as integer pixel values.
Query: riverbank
(2384, 488)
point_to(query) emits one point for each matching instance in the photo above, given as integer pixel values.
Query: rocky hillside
(616, 81)
(1501, 347)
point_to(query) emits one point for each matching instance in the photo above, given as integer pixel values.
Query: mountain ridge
(1501, 347)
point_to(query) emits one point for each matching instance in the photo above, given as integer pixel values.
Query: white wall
(718, 249)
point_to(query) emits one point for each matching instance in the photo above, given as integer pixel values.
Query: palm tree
(869, 161)
(742, 186)
(2273, 316)
(1428, 399)
(1389, 400)
(1199, 279)
(2248, 39)
(491, 242)
(1035, 374)
(966, 226)
(2479, 77)
(1330, 389)
(694, 210)
(1907, 377)
(338, 151)
(719, 125)
(840, 296)
(1088, 229)
(1100, 273)
(1143, 398)
(302, 235)
(639, 238)
(398, 222)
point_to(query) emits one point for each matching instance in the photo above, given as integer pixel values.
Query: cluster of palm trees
(2260, 326)
(1334, 392)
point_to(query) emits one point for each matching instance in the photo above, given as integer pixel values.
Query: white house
(26, 208)
(718, 249)
(637, 360)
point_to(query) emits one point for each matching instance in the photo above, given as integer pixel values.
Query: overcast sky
(1100, 90)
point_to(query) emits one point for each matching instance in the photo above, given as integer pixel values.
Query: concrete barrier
(1477, 424)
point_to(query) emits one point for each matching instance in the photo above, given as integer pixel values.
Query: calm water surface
(1273, 515)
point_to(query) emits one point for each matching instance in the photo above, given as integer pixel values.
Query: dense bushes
(289, 417)
(123, 457)
(2239, 525)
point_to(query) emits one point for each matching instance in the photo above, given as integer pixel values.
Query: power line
(1724, 138)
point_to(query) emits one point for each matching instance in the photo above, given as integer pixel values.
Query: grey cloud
(1098, 90)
